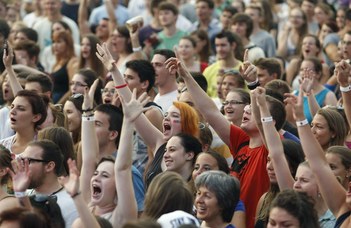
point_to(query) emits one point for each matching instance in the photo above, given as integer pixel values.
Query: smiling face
(234, 112)
(321, 131)
(73, 116)
(206, 204)
(279, 217)
(186, 49)
(296, 18)
(204, 162)
(103, 187)
(171, 123)
(175, 156)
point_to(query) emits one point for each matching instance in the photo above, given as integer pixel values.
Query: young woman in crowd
(65, 66)
(203, 45)
(234, 104)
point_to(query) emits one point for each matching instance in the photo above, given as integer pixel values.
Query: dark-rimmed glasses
(232, 102)
(30, 160)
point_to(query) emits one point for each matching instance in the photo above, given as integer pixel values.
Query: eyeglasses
(31, 160)
(110, 91)
(77, 95)
(232, 102)
(78, 84)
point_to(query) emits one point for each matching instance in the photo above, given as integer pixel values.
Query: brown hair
(69, 52)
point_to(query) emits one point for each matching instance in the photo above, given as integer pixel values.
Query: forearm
(14, 83)
(124, 158)
(83, 18)
(86, 217)
(113, 22)
(312, 103)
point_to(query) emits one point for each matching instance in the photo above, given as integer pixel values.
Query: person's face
(171, 122)
(186, 49)
(52, 6)
(33, 86)
(346, 46)
(109, 91)
(103, 188)
(296, 18)
(200, 44)
(248, 123)
(167, 18)
(337, 167)
(325, 30)
(219, 80)
(279, 217)
(270, 170)
(254, 14)
(228, 84)
(186, 98)
(118, 42)
(11, 15)
(20, 36)
(306, 182)
(57, 27)
(161, 73)
(234, 107)
(321, 130)
(85, 48)
(308, 8)
(309, 47)
(7, 93)
(175, 157)
(73, 116)
(59, 47)
(206, 204)
(36, 168)
(320, 15)
(102, 126)
(23, 58)
(21, 114)
(340, 19)
(77, 84)
(307, 65)
(264, 77)
(102, 31)
(204, 162)
(225, 19)
(223, 48)
(133, 80)
(239, 28)
(203, 11)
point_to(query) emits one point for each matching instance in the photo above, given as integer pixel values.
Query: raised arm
(274, 143)
(202, 101)
(342, 72)
(112, 22)
(127, 208)
(71, 184)
(332, 191)
(90, 148)
(7, 59)
(306, 85)
(83, 22)
(150, 134)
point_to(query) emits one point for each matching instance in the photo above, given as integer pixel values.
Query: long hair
(69, 52)
(189, 119)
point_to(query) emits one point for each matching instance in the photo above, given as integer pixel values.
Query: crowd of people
(160, 114)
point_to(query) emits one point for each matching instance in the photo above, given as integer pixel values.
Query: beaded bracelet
(121, 86)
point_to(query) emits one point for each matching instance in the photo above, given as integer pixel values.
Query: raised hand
(20, 174)
(247, 70)
(88, 101)
(297, 103)
(177, 64)
(342, 72)
(307, 81)
(134, 107)
(71, 183)
(260, 95)
(8, 56)
(105, 56)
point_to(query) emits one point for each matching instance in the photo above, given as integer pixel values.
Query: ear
(145, 84)
(50, 167)
(189, 156)
(113, 135)
(36, 118)
(233, 45)
(3, 172)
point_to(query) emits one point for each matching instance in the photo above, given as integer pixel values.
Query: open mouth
(96, 191)
(166, 127)
(107, 101)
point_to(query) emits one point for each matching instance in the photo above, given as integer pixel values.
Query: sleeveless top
(61, 80)
(290, 46)
(341, 219)
(155, 167)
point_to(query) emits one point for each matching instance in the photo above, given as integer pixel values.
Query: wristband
(20, 194)
(267, 119)
(87, 110)
(75, 194)
(88, 118)
(345, 89)
(302, 123)
(137, 49)
(121, 86)
(253, 85)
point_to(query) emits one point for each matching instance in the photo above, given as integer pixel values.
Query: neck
(107, 149)
(229, 62)
(205, 22)
(255, 139)
(186, 171)
(320, 206)
(49, 186)
(216, 222)
(25, 136)
(100, 210)
(167, 88)
(170, 31)
(245, 40)
(54, 17)
(189, 62)
(256, 28)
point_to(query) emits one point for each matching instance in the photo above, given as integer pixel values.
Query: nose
(296, 185)
(269, 165)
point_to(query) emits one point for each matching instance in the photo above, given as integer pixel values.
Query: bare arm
(150, 134)
(7, 59)
(306, 86)
(291, 71)
(110, 8)
(83, 22)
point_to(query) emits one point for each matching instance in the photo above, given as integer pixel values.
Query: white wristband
(302, 123)
(88, 118)
(137, 49)
(20, 194)
(345, 89)
(252, 83)
(267, 119)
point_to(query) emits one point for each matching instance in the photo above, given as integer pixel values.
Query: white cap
(176, 218)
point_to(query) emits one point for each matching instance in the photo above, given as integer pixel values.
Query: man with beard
(45, 165)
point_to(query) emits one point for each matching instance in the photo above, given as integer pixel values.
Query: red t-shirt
(250, 168)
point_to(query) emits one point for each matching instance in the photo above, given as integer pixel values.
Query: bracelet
(253, 85)
(75, 194)
(87, 110)
(345, 89)
(137, 49)
(88, 114)
(121, 86)
(267, 119)
(88, 118)
(302, 123)
(20, 194)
